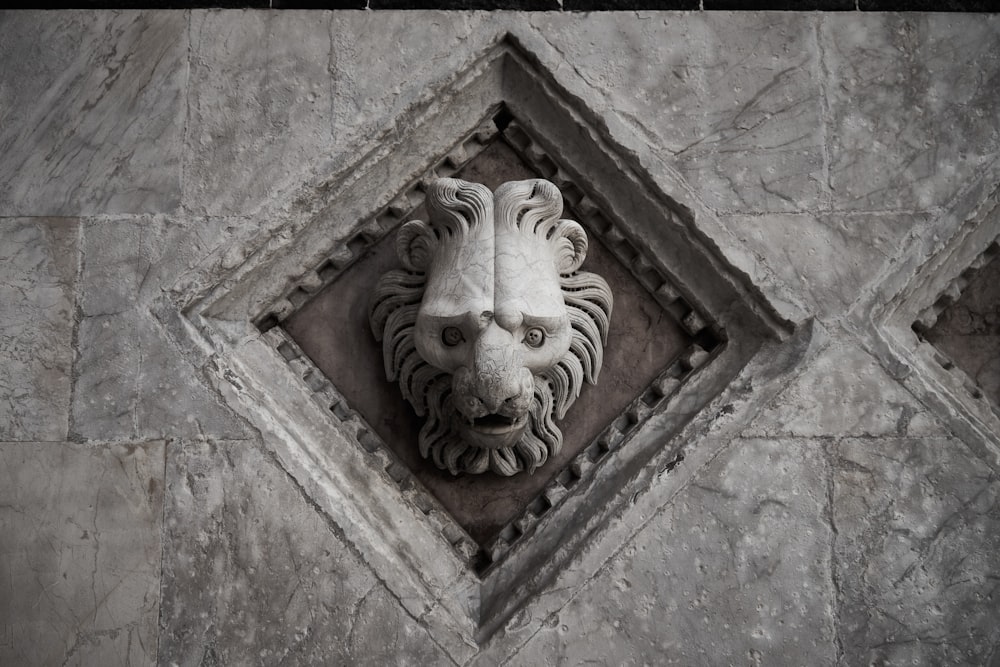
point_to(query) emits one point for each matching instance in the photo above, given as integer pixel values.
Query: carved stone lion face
(490, 329)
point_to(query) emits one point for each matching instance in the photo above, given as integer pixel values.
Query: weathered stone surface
(261, 96)
(832, 261)
(913, 105)
(839, 152)
(735, 571)
(845, 392)
(375, 85)
(38, 264)
(105, 396)
(917, 552)
(131, 381)
(734, 97)
(81, 553)
(93, 112)
(254, 573)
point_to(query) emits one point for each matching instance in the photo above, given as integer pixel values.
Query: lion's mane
(429, 390)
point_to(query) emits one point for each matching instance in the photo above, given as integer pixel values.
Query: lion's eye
(451, 336)
(534, 337)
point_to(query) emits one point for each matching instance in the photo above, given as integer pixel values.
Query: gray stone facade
(182, 486)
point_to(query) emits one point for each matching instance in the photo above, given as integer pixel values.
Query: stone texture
(81, 553)
(260, 106)
(846, 526)
(832, 261)
(737, 571)
(131, 380)
(845, 392)
(917, 552)
(254, 573)
(741, 116)
(38, 266)
(913, 105)
(367, 107)
(93, 112)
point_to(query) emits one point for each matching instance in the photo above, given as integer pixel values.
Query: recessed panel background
(332, 329)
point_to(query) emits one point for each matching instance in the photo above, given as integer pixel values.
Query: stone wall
(837, 501)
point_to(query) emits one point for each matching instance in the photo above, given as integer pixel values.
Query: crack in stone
(830, 511)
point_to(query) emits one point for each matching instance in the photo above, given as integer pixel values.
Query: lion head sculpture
(490, 328)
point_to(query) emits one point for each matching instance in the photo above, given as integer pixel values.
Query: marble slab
(734, 98)
(917, 553)
(845, 392)
(913, 106)
(833, 261)
(736, 571)
(80, 553)
(376, 85)
(253, 572)
(260, 100)
(38, 265)
(131, 381)
(92, 114)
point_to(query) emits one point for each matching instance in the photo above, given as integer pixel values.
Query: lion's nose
(497, 366)
(496, 386)
(493, 399)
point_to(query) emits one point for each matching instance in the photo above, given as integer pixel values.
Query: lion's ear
(415, 245)
(570, 243)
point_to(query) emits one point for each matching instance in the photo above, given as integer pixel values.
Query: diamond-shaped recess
(658, 340)
(966, 325)
(504, 115)
(938, 330)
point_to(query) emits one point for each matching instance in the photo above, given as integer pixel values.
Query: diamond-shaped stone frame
(230, 310)
(582, 466)
(916, 297)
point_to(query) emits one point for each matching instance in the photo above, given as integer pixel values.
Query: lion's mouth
(496, 424)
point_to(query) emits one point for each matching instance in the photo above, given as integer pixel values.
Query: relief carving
(490, 328)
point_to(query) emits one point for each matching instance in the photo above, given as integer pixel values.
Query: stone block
(260, 98)
(845, 392)
(131, 380)
(759, 181)
(736, 570)
(105, 396)
(38, 265)
(93, 113)
(913, 106)
(81, 552)
(734, 97)
(375, 85)
(917, 552)
(832, 261)
(254, 572)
